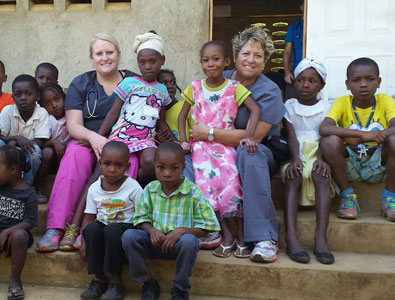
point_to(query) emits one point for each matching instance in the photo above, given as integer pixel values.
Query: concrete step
(369, 195)
(42, 292)
(370, 233)
(352, 276)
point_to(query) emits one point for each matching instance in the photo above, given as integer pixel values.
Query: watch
(210, 136)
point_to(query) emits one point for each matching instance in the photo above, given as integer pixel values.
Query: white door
(339, 31)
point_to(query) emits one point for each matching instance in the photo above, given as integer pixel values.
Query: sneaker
(114, 291)
(77, 243)
(211, 241)
(151, 290)
(70, 234)
(177, 294)
(349, 208)
(389, 209)
(265, 251)
(95, 289)
(50, 240)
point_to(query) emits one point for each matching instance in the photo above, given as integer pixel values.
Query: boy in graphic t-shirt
(109, 212)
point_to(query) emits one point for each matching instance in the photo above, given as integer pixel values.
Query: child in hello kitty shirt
(138, 107)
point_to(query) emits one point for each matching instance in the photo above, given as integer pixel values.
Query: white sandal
(224, 248)
(241, 249)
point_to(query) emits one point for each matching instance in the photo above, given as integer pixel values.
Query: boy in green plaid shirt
(171, 214)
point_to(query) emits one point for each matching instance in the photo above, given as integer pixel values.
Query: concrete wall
(60, 34)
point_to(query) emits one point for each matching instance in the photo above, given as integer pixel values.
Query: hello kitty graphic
(139, 119)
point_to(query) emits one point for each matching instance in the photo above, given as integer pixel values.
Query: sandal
(16, 293)
(241, 249)
(224, 248)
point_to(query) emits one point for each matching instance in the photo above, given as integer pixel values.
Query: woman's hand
(250, 144)
(84, 143)
(199, 131)
(97, 143)
(294, 169)
(321, 167)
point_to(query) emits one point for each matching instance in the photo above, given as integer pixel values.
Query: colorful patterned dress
(214, 164)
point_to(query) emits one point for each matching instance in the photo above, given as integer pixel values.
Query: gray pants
(138, 248)
(260, 218)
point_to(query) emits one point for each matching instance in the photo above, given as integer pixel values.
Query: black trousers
(104, 247)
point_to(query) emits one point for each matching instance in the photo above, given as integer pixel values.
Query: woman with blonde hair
(89, 98)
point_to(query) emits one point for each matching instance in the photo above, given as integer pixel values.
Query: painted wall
(60, 34)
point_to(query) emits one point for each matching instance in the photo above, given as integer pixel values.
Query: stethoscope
(91, 114)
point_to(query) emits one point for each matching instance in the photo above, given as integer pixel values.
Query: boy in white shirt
(109, 211)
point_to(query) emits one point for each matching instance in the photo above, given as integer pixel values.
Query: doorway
(232, 16)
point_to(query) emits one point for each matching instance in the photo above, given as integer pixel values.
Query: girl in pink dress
(215, 101)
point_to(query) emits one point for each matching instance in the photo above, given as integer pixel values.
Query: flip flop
(224, 248)
(241, 249)
(16, 293)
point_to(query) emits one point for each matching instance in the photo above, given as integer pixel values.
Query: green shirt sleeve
(143, 212)
(241, 94)
(203, 214)
(187, 95)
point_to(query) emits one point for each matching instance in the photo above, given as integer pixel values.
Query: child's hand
(321, 167)
(171, 239)
(3, 238)
(374, 136)
(294, 169)
(250, 144)
(83, 143)
(26, 145)
(186, 146)
(157, 237)
(59, 149)
(82, 250)
(163, 135)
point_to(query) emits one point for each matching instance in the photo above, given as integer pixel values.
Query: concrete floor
(38, 292)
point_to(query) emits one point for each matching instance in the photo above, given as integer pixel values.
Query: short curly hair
(258, 34)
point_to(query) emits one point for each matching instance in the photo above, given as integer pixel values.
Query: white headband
(148, 40)
(311, 63)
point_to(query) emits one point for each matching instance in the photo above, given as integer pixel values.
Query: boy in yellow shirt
(358, 140)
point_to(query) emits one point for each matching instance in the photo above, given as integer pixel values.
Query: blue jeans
(138, 249)
(35, 162)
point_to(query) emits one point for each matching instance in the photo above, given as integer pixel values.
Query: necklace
(362, 147)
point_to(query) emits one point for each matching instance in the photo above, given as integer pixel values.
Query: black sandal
(16, 293)
(326, 258)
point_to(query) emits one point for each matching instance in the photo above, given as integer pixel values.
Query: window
(120, 5)
(6, 5)
(41, 5)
